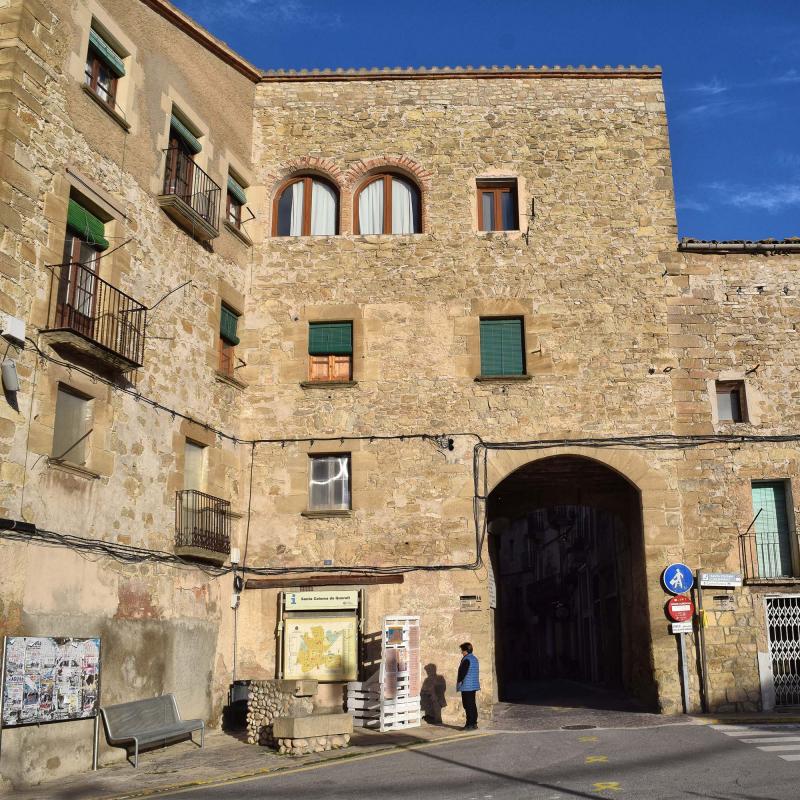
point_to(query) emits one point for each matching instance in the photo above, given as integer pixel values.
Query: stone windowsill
(333, 512)
(117, 117)
(516, 233)
(238, 233)
(766, 582)
(230, 380)
(327, 384)
(74, 469)
(502, 378)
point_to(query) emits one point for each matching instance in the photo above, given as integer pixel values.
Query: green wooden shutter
(330, 338)
(107, 53)
(185, 134)
(501, 347)
(236, 189)
(773, 543)
(227, 326)
(86, 225)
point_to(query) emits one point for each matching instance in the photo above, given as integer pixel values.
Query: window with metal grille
(502, 350)
(73, 424)
(330, 351)
(731, 405)
(329, 483)
(772, 529)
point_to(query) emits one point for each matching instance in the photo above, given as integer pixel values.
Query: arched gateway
(568, 551)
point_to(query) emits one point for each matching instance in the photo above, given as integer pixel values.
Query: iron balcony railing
(769, 555)
(184, 179)
(202, 522)
(81, 301)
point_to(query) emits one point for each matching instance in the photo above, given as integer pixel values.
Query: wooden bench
(144, 722)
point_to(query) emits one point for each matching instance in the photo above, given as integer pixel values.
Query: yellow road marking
(588, 739)
(596, 759)
(607, 786)
(164, 791)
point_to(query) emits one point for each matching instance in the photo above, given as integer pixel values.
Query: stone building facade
(612, 428)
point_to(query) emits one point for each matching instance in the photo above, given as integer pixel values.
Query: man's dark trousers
(470, 707)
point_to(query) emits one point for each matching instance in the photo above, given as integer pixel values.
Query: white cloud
(276, 12)
(692, 205)
(713, 87)
(766, 198)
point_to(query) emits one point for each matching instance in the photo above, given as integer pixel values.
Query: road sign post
(678, 579)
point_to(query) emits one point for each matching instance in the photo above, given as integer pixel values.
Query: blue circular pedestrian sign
(677, 579)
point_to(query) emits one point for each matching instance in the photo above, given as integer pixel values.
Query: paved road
(656, 763)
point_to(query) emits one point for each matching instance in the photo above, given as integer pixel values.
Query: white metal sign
(325, 599)
(728, 580)
(681, 627)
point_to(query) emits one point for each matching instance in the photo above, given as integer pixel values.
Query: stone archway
(612, 506)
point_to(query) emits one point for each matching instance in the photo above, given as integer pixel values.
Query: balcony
(202, 526)
(769, 556)
(189, 195)
(93, 321)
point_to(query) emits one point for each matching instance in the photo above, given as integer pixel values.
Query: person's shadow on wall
(432, 695)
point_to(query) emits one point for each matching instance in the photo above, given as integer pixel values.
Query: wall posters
(323, 647)
(50, 679)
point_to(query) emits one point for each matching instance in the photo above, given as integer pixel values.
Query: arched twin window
(387, 204)
(307, 206)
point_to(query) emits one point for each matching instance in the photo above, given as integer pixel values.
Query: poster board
(322, 647)
(50, 679)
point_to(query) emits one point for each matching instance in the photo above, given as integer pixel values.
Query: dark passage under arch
(567, 554)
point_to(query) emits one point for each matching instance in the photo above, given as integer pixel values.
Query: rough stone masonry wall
(269, 700)
(591, 158)
(734, 316)
(158, 625)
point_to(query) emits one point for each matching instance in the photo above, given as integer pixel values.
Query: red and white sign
(680, 608)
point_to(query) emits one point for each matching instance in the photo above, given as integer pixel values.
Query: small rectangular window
(330, 351)
(73, 424)
(235, 202)
(502, 349)
(329, 483)
(194, 466)
(731, 406)
(773, 542)
(228, 326)
(104, 67)
(497, 206)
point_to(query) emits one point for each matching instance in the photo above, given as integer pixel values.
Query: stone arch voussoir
(403, 164)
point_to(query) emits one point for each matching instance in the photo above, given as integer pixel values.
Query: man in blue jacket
(468, 682)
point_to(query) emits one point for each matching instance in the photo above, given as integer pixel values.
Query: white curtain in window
(323, 210)
(296, 225)
(370, 208)
(404, 206)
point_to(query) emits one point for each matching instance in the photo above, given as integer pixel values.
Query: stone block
(315, 725)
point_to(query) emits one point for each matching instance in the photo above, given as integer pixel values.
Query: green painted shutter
(86, 225)
(237, 190)
(773, 543)
(185, 134)
(107, 53)
(501, 347)
(227, 326)
(330, 338)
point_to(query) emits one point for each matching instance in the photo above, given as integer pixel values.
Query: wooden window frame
(315, 360)
(328, 508)
(92, 77)
(729, 387)
(387, 178)
(233, 205)
(497, 188)
(308, 181)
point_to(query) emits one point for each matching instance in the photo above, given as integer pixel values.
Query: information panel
(49, 679)
(323, 647)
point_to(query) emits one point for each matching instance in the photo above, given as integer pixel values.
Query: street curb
(288, 768)
(759, 720)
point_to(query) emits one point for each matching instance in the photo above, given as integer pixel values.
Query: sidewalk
(225, 757)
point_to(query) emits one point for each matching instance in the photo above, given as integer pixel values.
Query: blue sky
(731, 75)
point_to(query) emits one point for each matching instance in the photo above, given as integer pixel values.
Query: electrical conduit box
(12, 329)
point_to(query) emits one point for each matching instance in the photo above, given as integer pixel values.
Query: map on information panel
(50, 679)
(322, 648)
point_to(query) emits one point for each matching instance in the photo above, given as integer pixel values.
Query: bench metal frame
(125, 741)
